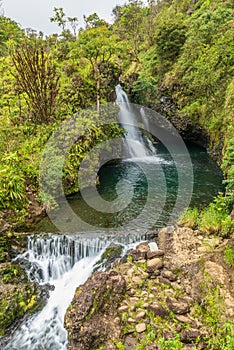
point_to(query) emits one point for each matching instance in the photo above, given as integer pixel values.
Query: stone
(157, 253)
(143, 247)
(131, 292)
(158, 310)
(133, 300)
(179, 306)
(169, 275)
(130, 343)
(153, 347)
(153, 246)
(123, 308)
(141, 327)
(183, 319)
(191, 335)
(168, 334)
(102, 291)
(140, 315)
(131, 320)
(144, 293)
(164, 280)
(136, 280)
(137, 254)
(154, 264)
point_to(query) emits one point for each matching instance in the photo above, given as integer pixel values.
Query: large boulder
(91, 319)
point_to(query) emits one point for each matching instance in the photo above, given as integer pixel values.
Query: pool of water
(126, 189)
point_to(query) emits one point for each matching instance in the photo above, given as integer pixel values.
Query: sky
(35, 14)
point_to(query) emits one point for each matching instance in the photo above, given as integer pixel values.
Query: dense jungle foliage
(178, 51)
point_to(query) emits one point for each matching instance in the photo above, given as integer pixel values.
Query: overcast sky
(35, 14)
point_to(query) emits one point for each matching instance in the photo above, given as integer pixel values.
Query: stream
(66, 260)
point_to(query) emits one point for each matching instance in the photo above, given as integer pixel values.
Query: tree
(59, 17)
(9, 32)
(130, 26)
(98, 46)
(61, 20)
(74, 24)
(36, 75)
(93, 21)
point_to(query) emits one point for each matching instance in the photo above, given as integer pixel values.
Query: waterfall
(64, 261)
(137, 145)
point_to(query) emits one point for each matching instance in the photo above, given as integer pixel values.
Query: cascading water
(64, 262)
(137, 145)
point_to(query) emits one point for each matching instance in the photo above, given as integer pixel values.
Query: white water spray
(137, 145)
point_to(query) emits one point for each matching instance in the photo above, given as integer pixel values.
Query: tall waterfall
(64, 262)
(137, 144)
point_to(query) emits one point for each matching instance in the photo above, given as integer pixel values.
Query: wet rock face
(91, 319)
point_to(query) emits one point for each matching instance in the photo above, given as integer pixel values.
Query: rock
(191, 335)
(131, 292)
(153, 347)
(137, 254)
(130, 343)
(143, 247)
(154, 264)
(154, 254)
(158, 310)
(144, 293)
(141, 327)
(123, 308)
(91, 318)
(183, 319)
(169, 275)
(168, 334)
(137, 280)
(112, 252)
(179, 306)
(140, 315)
(131, 320)
(179, 244)
(153, 246)
(164, 280)
(133, 300)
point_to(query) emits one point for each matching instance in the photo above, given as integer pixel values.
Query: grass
(229, 256)
(214, 219)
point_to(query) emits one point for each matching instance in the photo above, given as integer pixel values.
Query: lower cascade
(64, 262)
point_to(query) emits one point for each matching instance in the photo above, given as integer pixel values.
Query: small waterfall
(52, 256)
(64, 262)
(137, 144)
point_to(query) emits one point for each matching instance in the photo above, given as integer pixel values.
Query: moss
(111, 253)
(15, 302)
(4, 248)
(12, 273)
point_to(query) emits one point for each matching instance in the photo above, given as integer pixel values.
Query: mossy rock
(112, 252)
